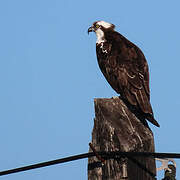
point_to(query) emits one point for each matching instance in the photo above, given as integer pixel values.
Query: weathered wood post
(116, 128)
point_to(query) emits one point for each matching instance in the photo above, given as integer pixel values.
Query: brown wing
(136, 74)
(126, 70)
(136, 91)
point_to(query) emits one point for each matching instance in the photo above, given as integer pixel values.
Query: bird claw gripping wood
(165, 164)
(96, 154)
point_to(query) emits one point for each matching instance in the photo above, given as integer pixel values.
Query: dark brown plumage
(125, 68)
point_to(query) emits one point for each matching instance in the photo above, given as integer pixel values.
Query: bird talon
(115, 97)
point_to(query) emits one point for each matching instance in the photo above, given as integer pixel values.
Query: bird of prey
(125, 68)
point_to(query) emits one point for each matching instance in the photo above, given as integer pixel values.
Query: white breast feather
(104, 51)
(100, 36)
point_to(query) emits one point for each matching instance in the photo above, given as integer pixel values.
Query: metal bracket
(165, 164)
(96, 154)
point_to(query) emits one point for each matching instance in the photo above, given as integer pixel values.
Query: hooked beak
(91, 29)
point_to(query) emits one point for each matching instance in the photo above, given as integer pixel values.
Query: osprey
(125, 68)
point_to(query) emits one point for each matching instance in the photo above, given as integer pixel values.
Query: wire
(105, 155)
(47, 163)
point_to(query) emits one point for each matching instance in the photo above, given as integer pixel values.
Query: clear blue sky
(49, 77)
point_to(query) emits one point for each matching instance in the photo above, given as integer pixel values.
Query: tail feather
(143, 102)
(151, 119)
(142, 114)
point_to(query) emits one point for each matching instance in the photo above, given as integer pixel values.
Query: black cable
(139, 154)
(48, 163)
(105, 155)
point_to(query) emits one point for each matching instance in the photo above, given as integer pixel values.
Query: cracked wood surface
(118, 129)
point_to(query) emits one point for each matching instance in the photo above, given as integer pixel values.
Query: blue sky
(49, 77)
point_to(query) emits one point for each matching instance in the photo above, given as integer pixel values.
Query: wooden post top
(116, 128)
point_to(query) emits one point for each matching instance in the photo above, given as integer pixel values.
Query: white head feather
(99, 32)
(105, 24)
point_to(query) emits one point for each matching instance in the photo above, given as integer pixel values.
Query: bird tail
(151, 119)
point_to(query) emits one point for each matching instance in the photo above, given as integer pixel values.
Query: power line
(47, 163)
(104, 155)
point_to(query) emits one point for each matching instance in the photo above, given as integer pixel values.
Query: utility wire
(47, 163)
(105, 155)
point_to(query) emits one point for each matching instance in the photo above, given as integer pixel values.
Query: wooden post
(118, 129)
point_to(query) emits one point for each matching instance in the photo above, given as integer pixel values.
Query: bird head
(99, 27)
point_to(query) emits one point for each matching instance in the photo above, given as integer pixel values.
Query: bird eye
(97, 26)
